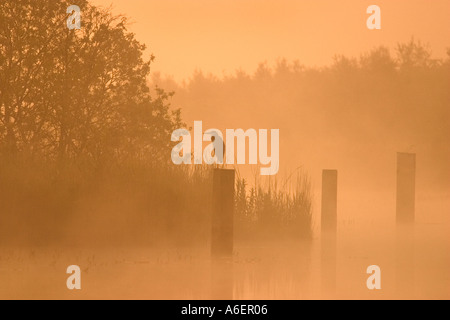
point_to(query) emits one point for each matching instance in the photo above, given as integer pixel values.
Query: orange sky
(220, 36)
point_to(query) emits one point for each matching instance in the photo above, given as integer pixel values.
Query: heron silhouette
(213, 138)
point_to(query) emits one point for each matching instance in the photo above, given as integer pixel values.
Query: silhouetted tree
(378, 61)
(414, 54)
(69, 94)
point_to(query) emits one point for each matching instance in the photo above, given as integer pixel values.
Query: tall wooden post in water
(329, 229)
(405, 215)
(223, 212)
(406, 188)
(222, 234)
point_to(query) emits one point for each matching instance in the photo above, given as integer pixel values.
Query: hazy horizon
(221, 37)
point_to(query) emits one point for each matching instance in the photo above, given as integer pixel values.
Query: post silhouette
(222, 234)
(223, 212)
(329, 230)
(406, 188)
(405, 216)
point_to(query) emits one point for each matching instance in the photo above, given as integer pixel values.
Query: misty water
(277, 269)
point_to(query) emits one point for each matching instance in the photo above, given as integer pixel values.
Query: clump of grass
(273, 208)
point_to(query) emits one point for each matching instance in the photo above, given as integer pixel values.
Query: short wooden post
(406, 188)
(329, 229)
(405, 215)
(329, 201)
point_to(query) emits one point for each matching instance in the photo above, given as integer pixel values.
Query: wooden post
(222, 234)
(329, 229)
(406, 188)
(223, 211)
(405, 215)
(329, 202)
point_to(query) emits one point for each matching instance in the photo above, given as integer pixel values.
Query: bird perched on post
(213, 138)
